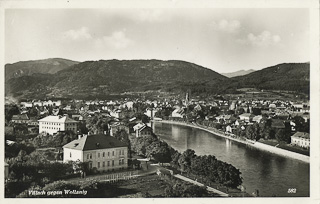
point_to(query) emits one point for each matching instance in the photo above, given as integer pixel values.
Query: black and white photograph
(160, 100)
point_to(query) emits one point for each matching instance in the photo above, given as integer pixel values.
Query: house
(301, 139)
(102, 152)
(257, 118)
(26, 104)
(37, 103)
(77, 117)
(21, 119)
(33, 122)
(142, 129)
(150, 112)
(115, 113)
(52, 124)
(229, 129)
(178, 113)
(247, 117)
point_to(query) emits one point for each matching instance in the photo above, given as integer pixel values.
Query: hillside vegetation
(100, 78)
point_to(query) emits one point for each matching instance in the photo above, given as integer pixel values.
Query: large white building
(102, 152)
(301, 139)
(52, 124)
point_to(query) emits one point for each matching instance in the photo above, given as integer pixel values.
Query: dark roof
(276, 123)
(20, 117)
(93, 142)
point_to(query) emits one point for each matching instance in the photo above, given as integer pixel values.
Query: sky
(224, 40)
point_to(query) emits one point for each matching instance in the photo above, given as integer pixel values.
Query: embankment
(257, 145)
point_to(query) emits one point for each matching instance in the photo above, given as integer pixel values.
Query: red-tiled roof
(93, 142)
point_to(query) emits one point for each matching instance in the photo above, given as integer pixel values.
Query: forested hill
(287, 76)
(117, 76)
(45, 66)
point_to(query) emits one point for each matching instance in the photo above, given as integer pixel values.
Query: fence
(115, 177)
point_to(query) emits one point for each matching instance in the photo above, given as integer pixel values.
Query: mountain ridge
(103, 77)
(44, 66)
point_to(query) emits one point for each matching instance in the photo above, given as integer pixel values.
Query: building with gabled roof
(142, 129)
(100, 151)
(53, 124)
(23, 118)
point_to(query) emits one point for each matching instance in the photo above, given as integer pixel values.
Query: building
(52, 124)
(247, 117)
(257, 118)
(178, 113)
(142, 130)
(33, 122)
(105, 153)
(21, 119)
(301, 139)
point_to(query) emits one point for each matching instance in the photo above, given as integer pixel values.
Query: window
(108, 163)
(112, 153)
(103, 154)
(108, 154)
(123, 152)
(98, 164)
(112, 162)
(120, 162)
(103, 164)
(88, 155)
(99, 155)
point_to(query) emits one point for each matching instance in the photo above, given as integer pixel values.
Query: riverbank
(254, 144)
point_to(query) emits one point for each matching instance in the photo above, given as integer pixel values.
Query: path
(222, 194)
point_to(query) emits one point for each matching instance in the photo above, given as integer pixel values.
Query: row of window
(121, 162)
(89, 156)
(54, 128)
(46, 123)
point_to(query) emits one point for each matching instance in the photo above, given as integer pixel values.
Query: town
(66, 139)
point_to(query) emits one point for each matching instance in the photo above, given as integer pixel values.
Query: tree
(185, 159)
(301, 125)
(11, 110)
(256, 111)
(123, 136)
(282, 136)
(97, 124)
(160, 151)
(253, 132)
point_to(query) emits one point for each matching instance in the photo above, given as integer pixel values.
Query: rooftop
(94, 142)
(57, 119)
(301, 135)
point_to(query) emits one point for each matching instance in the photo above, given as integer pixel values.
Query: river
(271, 174)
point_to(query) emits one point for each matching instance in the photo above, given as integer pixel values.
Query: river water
(271, 174)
